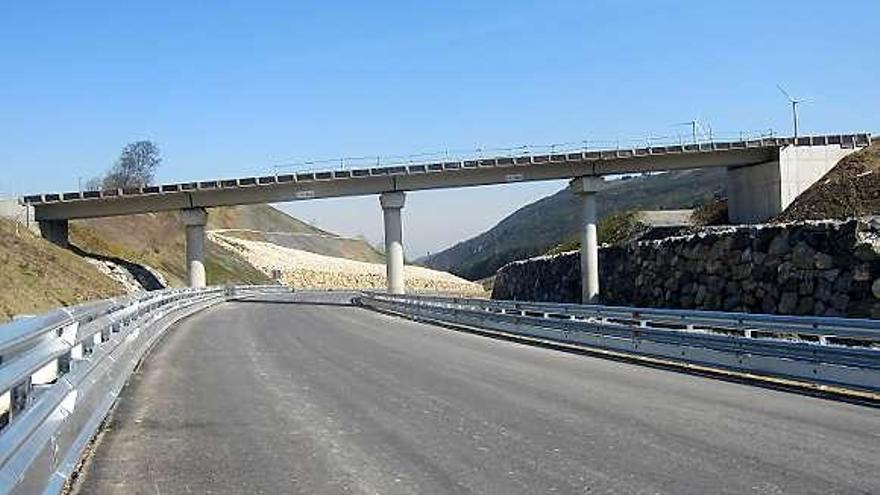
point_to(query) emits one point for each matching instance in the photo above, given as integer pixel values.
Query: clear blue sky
(230, 88)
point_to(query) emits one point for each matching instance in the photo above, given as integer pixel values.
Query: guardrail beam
(844, 353)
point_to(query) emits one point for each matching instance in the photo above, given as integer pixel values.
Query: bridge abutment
(56, 231)
(392, 203)
(195, 220)
(586, 188)
(759, 192)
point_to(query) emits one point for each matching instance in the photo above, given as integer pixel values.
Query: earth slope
(850, 189)
(158, 240)
(36, 276)
(306, 270)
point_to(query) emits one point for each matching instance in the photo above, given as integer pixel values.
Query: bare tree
(136, 166)
(94, 184)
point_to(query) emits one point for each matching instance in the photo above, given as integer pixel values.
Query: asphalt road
(314, 398)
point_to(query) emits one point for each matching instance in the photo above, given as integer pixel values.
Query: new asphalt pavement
(305, 394)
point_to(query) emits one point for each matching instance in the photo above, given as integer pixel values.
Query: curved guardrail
(61, 372)
(841, 352)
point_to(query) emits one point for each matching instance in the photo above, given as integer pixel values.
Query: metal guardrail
(840, 352)
(61, 372)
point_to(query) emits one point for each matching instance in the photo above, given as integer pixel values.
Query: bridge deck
(306, 185)
(298, 398)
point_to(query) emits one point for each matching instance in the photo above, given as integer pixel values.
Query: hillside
(37, 276)
(850, 189)
(537, 227)
(157, 240)
(307, 270)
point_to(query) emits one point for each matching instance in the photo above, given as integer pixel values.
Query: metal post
(586, 188)
(392, 203)
(195, 220)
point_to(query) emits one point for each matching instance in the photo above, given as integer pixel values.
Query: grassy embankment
(37, 276)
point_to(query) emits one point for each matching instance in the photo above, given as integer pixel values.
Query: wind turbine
(794, 107)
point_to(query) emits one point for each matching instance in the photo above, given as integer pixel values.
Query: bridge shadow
(142, 276)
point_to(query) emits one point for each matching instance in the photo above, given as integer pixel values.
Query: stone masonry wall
(816, 268)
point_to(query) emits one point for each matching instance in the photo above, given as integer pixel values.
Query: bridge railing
(827, 352)
(61, 372)
(429, 163)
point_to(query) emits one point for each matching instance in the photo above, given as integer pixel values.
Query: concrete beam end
(587, 185)
(194, 216)
(394, 199)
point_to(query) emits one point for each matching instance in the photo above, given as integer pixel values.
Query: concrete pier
(586, 188)
(392, 203)
(195, 220)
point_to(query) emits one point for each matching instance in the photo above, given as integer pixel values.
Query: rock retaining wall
(816, 268)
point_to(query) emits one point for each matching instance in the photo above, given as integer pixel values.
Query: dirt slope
(158, 240)
(305, 270)
(850, 189)
(36, 276)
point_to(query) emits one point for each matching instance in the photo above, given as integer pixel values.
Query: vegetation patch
(613, 229)
(712, 211)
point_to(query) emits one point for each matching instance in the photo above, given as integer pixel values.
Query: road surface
(276, 398)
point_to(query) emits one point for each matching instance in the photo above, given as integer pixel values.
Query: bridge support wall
(15, 210)
(195, 220)
(759, 192)
(586, 188)
(392, 203)
(56, 231)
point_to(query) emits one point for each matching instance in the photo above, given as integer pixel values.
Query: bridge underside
(764, 177)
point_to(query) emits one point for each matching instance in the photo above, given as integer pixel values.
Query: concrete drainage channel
(832, 356)
(61, 372)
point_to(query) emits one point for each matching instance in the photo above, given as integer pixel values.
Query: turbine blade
(783, 91)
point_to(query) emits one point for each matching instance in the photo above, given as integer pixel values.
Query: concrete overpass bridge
(262, 391)
(764, 176)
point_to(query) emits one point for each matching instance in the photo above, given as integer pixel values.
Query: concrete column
(392, 202)
(586, 188)
(56, 232)
(195, 220)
